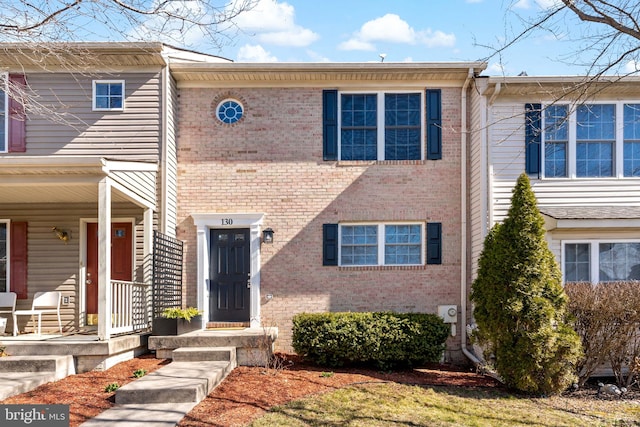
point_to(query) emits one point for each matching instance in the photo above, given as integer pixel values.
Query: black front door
(229, 277)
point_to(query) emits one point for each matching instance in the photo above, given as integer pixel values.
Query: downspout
(463, 217)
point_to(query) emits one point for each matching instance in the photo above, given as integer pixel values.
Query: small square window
(108, 95)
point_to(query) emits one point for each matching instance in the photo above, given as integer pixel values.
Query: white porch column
(202, 291)
(104, 259)
(148, 245)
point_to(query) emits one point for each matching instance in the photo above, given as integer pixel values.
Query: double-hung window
(381, 244)
(601, 261)
(591, 140)
(381, 126)
(108, 95)
(4, 256)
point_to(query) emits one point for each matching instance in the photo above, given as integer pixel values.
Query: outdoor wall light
(64, 235)
(267, 236)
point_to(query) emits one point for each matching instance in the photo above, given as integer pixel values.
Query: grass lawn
(392, 404)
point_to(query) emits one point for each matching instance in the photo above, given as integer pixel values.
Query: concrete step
(204, 354)
(37, 364)
(19, 374)
(253, 345)
(178, 382)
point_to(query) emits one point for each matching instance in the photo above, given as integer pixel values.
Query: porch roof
(31, 179)
(590, 216)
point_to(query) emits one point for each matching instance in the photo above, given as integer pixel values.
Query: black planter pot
(163, 326)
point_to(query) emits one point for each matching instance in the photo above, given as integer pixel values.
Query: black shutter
(330, 124)
(329, 244)
(434, 124)
(532, 137)
(434, 243)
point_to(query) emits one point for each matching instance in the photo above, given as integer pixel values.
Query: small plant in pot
(177, 321)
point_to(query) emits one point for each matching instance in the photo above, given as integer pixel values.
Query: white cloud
(391, 28)
(274, 23)
(437, 39)
(522, 4)
(354, 44)
(297, 37)
(495, 69)
(317, 57)
(632, 67)
(254, 53)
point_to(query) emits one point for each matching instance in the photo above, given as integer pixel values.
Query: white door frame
(204, 223)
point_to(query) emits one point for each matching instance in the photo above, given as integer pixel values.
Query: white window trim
(381, 243)
(380, 127)
(594, 254)
(93, 96)
(618, 153)
(8, 225)
(5, 80)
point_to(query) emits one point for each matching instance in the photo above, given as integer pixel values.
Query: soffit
(309, 74)
(565, 88)
(26, 179)
(76, 57)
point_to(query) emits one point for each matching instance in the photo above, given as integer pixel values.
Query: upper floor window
(229, 111)
(381, 126)
(108, 95)
(381, 244)
(601, 261)
(592, 141)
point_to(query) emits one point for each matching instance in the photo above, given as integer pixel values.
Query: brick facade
(271, 162)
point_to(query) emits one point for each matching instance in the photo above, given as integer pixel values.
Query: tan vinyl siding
(130, 134)
(171, 163)
(477, 185)
(54, 265)
(142, 183)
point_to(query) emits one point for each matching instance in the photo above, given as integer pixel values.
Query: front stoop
(19, 374)
(254, 346)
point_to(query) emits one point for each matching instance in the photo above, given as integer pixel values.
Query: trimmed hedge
(383, 339)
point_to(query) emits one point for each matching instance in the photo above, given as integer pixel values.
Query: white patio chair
(8, 302)
(43, 302)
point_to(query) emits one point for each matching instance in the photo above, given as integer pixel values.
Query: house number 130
(227, 221)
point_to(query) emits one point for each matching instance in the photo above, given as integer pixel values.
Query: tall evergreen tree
(520, 304)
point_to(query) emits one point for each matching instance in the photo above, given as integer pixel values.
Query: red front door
(121, 262)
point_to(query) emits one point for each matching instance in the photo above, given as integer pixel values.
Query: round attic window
(229, 111)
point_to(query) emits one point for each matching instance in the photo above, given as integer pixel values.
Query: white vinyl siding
(507, 159)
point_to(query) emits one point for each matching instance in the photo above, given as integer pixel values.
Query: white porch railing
(130, 306)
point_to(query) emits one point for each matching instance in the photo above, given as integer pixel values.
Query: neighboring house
(87, 173)
(580, 145)
(358, 169)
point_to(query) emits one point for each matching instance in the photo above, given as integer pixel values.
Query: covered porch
(74, 211)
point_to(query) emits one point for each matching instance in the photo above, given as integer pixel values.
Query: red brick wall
(271, 162)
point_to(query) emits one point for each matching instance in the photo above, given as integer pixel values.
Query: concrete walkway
(165, 396)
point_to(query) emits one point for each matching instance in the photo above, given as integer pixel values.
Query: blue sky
(404, 30)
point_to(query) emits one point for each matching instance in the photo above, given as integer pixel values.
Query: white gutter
(463, 215)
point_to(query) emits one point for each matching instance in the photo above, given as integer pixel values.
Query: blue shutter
(532, 137)
(329, 244)
(330, 124)
(434, 243)
(434, 124)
